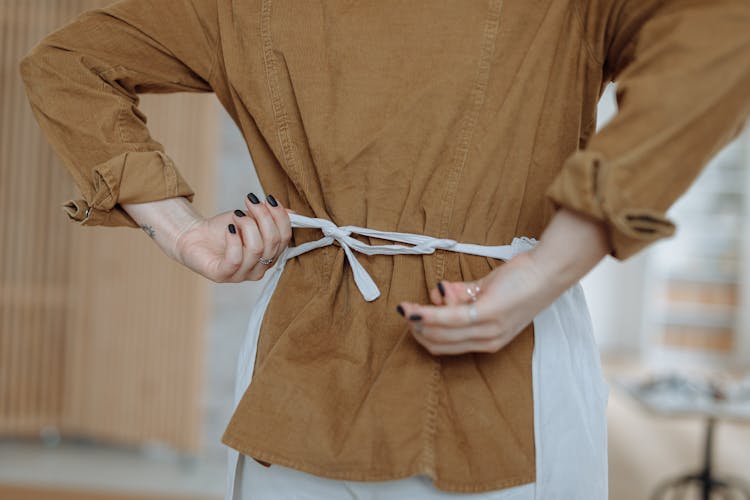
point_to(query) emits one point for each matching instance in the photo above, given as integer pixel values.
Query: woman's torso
(448, 119)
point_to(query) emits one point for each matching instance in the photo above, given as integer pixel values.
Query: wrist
(570, 246)
(165, 221)
(175, 250)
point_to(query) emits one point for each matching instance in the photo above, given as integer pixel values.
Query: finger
(268, 230)
(435, 296)
(449, 316)
(232, 258)
(281, 218)
(453, 335)
(488, 345)
(252, 243)
(450, 297)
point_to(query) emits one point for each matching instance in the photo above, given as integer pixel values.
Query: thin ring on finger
(473, 315)
(266, 261)
(452, 316)
(473, 290)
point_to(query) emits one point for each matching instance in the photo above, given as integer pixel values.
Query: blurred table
(675, 395)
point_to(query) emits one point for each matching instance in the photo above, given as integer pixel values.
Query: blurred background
(117, 365)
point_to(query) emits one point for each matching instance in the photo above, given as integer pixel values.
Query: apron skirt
(570, 393)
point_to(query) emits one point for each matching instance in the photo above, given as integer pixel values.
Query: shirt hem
(351, 475)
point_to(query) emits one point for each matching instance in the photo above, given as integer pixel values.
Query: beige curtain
(101, 335)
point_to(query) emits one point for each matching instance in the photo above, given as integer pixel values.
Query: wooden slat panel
(100, 333)
(30, 284)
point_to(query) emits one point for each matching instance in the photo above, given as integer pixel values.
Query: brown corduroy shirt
(472, 120)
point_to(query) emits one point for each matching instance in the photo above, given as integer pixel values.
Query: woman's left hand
(509, 298)
(512, 294)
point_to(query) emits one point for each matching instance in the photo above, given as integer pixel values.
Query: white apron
(569, 390)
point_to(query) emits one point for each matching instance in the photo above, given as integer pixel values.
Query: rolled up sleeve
(83, 80)
(683, 91)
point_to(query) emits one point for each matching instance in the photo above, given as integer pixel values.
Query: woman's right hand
(211, 249)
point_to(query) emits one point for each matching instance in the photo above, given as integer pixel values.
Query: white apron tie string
(422, 244)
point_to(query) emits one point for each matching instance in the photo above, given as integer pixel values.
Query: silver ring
(473, 316)
(266, 261)
(473, 291)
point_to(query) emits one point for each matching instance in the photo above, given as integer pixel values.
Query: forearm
(569, 247)
(164, 220)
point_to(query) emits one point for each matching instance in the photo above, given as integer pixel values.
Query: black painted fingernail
(400, 310)
(441, 289)
(239, 213)
(415, 317)
(232, 229)
(272, 200)
(253, 199)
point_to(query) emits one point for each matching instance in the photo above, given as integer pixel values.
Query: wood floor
(29, 493)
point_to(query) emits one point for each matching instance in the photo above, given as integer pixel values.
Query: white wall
(614, 289)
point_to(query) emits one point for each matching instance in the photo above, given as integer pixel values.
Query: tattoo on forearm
(149, 230)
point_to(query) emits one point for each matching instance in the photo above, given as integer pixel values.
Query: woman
(464, 364)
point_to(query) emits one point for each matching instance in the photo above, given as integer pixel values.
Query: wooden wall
(101, 335)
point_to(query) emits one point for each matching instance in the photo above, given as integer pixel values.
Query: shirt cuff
(589, 184)
(131, 177)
